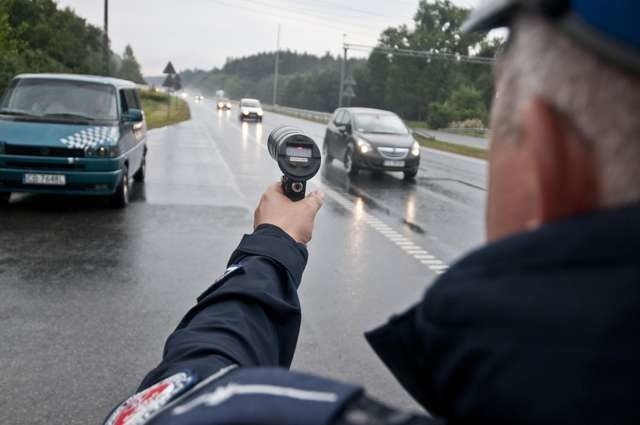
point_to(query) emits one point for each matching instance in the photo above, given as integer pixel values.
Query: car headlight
(220, 105)
(245, 111)
(229, 105)
(415, 149)
(260, 112)
(363, 146)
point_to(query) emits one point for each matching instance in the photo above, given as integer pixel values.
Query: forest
(38, 36)
(440, 92)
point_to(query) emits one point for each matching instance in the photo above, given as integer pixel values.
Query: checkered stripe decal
(91, 138)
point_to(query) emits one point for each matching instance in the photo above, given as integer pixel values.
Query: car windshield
(251, 103)
(379, 124)
(64, 99)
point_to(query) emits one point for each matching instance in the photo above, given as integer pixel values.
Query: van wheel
(141, 174)
(120, 199)
(349, 166)
(4, 198)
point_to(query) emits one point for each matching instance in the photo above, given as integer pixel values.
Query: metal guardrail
(444, 135)
(323, 117)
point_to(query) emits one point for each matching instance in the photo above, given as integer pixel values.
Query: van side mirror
(133, 115)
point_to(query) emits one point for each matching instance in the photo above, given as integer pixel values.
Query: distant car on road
(199, 98)
(251, 109)
(223, 104)
(371, 139)
(71, 134)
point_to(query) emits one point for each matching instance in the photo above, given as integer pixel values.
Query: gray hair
(602, 102)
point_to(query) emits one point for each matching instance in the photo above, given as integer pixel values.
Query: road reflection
(379, 191)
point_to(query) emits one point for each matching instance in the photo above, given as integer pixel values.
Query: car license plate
(45, 179)
(394, 164)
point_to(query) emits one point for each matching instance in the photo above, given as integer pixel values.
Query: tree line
(37, 36)
(437, 91)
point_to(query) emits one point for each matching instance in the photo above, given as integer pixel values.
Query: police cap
(608, 28)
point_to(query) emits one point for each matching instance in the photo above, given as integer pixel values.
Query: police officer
(538, 327)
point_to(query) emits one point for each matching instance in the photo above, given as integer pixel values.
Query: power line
(296, 19)
(340, 19)
(342, 7)
(451, 57)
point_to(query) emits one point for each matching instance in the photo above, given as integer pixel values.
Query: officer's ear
(563, 163)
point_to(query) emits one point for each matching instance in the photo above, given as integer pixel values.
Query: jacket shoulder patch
(140, 408)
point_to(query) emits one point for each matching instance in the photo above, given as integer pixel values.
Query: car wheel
(411, 174)
(349, 165)
(120, 199)
(4, 198)
(325, 152)
(141, 174)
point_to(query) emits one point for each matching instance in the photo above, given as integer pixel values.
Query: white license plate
(45, 179)
(394, 164)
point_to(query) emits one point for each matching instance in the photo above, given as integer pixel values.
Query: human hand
(294, 218)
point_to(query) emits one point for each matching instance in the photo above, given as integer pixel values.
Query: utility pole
(107, 55)
(343, 69)
(277, 71)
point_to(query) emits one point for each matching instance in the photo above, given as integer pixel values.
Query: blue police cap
(608, 28)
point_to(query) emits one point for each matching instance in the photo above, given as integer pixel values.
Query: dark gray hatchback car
(371, 139)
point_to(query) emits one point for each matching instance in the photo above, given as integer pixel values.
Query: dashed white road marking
(408, 246)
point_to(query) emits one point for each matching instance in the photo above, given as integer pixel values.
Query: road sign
(349, 92)
(350, 81)
(169, 82)
(169, 69)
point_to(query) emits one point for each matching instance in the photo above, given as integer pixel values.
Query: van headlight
(363, 146)
(260, 112)
(103, 151)
(415, 149)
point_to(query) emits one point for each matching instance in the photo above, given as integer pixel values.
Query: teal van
(71, 134)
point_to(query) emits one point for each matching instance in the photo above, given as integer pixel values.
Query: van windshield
(63, 99)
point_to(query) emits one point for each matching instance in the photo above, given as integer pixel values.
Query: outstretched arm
(251, 315)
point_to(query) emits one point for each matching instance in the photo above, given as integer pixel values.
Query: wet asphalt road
(89, 294)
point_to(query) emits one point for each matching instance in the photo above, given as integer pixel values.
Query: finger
(275, 187)
(315, 200)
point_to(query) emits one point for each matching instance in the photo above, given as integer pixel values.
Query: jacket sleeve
(249, 317)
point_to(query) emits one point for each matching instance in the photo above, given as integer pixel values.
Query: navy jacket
(540, 328)
(227, 362)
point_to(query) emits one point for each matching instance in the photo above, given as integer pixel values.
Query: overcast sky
(204, 33)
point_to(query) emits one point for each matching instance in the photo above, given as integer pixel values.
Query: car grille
(19, 165)
(43, 151)
(393, 153)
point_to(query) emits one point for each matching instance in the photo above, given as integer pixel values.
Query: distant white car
(251, 109)
(199, 98)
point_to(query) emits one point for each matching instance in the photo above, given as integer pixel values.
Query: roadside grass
(451, 148)
(155, 110)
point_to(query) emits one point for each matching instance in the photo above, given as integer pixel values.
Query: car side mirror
(133, 115)
(348, 129)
